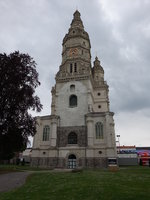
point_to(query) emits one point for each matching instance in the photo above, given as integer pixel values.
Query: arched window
(72, 156)
(46, 131)
(99, 130)
(72, 138)
(73, 101)
(72, 88)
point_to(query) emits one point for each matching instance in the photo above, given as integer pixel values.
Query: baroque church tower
(80, 130)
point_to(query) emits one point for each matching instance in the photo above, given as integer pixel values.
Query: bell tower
(72, 94)
(76, 55)
(80, 130)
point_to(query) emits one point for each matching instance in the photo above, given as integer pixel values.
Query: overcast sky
(119, 32)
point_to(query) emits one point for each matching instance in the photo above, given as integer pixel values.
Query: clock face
(73, 52)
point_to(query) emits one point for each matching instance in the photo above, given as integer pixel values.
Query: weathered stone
(63, 132)
(91, 146)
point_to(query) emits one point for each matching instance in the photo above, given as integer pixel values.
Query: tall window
(75, 67)
(99, 130)
(70, 67)
(72, 138)
(46, 131)
(73, 101)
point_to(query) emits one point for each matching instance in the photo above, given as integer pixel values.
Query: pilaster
(54, 132)
(90, 131)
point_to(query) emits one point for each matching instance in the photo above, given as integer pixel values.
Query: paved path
(12, 180)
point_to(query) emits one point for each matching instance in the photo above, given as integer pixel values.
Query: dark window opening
(73, 101)
(46, 132)
(72, 156)
(99, 130)
(75, 67)
(72, 138)
(70, 67)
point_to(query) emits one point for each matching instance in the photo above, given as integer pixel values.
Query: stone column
(54, 132)
(37, 139)
(53, 92)
(111, 151)
(90, 131)
(108, 132)
(112, 130)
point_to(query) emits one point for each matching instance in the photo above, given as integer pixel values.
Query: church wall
(35, 152)
(100, 142)
(44, 162)
(76, 150)
(77, 42)
(36, 138)
(73, 42)
(42, 148)
(100, 106)
(71, 115)
(63, 132)
(41, 122)
(102, 94)
(56, 162)
(44, 152)
(79, 119)
(61, 162)
(83, 160)
(100, 100)
(108, 135)
(111, 144)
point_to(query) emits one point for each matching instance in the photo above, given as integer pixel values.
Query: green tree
(18, 81)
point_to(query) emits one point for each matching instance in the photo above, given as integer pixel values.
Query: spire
(77, 22)
(97, 65)
(96, 62)
(76, 55)
(76, 14)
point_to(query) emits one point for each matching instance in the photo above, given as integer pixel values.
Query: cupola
(98, 72)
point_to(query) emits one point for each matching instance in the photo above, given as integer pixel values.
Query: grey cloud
(119, 33)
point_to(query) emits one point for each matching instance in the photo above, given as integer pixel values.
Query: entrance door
(72, 161)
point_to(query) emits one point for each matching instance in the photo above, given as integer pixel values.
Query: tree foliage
(18, 81)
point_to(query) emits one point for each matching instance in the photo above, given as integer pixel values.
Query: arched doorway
(72, 161)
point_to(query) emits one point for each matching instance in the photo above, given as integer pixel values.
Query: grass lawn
(126, 184)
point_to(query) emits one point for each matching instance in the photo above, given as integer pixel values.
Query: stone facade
(63, 132)
(80, 130)
(83, 162)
